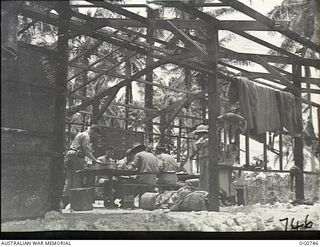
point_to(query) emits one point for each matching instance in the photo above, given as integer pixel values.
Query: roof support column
(148, 98)
(298, 143)
(56, 169)
(214, 110)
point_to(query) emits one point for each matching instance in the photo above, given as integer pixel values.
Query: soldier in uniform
(75, 159)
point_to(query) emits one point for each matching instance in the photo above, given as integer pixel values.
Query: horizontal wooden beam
(52, 19)
(266, 44)
(119, 10)
(227, 53)
(313, 91)
(284, 81)
(268, 76)
(122, 76)
(192, 24)
(187, 40)
(270, 23)
(136, 5)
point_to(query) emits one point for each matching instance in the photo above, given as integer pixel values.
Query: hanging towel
(259, 106)
(267, 111)
(264, 109)
(287, 109)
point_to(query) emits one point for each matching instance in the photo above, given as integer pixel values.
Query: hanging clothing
(259, 106)
(287, 109)
(263, 108)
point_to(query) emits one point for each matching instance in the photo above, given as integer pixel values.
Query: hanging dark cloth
(258, 105)
(263, 108)
(287, 109)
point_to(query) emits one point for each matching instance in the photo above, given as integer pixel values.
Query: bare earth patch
(237, 218)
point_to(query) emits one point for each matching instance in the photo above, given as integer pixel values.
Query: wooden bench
(130, 191)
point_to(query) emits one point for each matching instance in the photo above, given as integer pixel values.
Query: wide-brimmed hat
(137, 147)
(201, 129)
(96, 128)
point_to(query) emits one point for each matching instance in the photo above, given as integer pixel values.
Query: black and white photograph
(151, 119)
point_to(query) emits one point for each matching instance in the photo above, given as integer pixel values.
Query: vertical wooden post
(188, 144)
(56, 169)
(247, 149)
(265, 153)
(148, 94)
(214, 110)
(179, 141)
(128, 93)
(298, 144)
(203, 100)
(163, 117)
(280, 151)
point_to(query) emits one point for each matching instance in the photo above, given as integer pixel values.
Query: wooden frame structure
(196, 54)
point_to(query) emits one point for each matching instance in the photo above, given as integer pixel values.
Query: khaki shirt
(146, 163)
(82, 143)
(167, 163)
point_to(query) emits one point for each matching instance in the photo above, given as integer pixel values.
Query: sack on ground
(147, 201)
(193, 201)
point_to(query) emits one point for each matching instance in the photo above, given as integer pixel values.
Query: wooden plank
(227, 53)
(186, 39)
(116, 88)
(266, 44)
(197, 13)
(118, 9)
(270, 23)
(167, 109)
(231, 25)
(148, 89)
(104, 72)
(26, 27)
(280, 151)
(213, 110)
(92, 64)
(265, 154)
(122, 76)
(57, 167)
(313, 91)
(284, 80)
(269, 76)
(298, 142)
(247, 150)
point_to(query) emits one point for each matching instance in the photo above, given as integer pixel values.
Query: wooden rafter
(186, 39)
(231, 25)
(270, 23)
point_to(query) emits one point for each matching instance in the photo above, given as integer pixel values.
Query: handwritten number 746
(296, 226)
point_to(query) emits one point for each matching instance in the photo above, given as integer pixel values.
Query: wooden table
(106, 172)
(185, 176)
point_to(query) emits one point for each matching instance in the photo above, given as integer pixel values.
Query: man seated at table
(105, 160)
(146, 164)
(167, 167)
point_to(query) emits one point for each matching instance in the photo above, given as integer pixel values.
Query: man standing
(75, 159)
(146, 163)
(167, 167)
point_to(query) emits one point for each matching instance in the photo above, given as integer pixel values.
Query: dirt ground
(236, 218)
